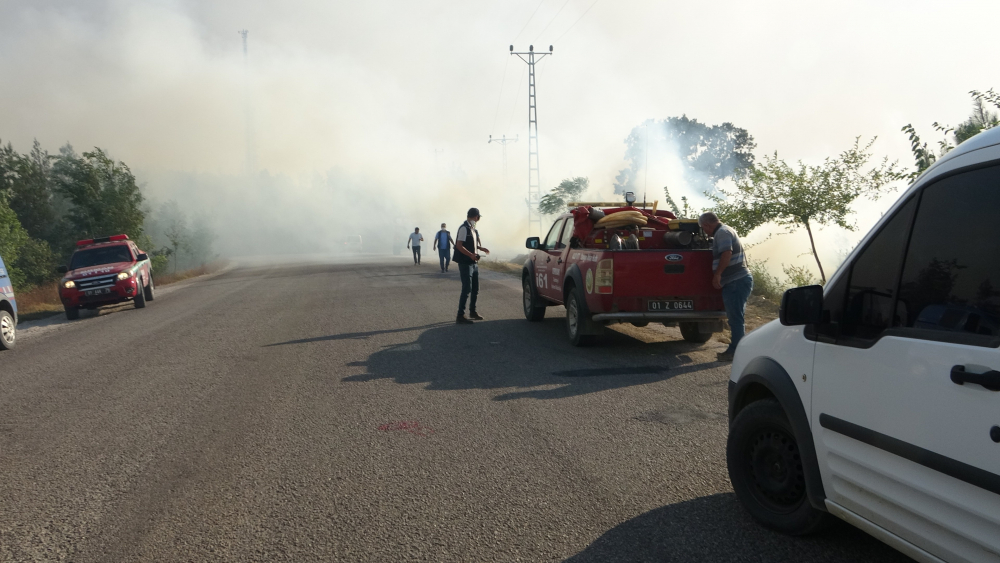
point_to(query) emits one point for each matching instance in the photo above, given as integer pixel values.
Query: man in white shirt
(415, 238)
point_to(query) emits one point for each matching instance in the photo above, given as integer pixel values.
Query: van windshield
(100, 255)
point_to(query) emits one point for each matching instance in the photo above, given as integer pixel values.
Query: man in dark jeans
(730, 274)
(466, 247)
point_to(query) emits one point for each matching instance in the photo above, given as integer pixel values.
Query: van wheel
(8, 331)
(532, 311)
(575, 320)
(766, 470)
(692, 333)
(140, 297)
(150, 290)
(72, 313)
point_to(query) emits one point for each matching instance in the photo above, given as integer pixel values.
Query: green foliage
(710, 153)
(978, 121)
(670, 201)
(764, 283)
(799, 276)
(12, 238)
(104, 196)
(36, 263)
(804, 195)
(569, 189)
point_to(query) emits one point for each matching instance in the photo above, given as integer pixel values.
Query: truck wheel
(72, 313)
(766, 471)
(140, 297)
(692, 333)
(150, 290)
(575, 320)
(8, 331)
(532, 312)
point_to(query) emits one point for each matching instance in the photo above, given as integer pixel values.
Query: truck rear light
(604, 280)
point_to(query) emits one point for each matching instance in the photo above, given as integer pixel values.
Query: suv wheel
(8, 332)
(575, 319)
(150, 290)
(140, 296)
(692, 333)
(766, 471)
(532, 311)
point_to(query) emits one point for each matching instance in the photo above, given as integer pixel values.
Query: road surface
(335, 412)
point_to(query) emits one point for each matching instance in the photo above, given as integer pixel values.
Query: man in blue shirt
(730, 274)
(443, 242)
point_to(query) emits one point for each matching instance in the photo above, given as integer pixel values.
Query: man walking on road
(442, 243)
(466, 245)
(730, 274)
(415, 238)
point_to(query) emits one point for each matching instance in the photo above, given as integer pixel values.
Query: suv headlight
(69, 284)
(124, 275)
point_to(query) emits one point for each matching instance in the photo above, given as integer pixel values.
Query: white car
(877, 399)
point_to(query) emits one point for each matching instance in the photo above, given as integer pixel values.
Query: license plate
(686, 305)
(103, 291)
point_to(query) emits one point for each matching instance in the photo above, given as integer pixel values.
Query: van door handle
(559, 261)
(549, 259)
(989, 380)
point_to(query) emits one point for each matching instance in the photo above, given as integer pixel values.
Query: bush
(36, 263)
(799, 276)
(765, 284)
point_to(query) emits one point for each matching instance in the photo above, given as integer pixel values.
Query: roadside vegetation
(48, 202)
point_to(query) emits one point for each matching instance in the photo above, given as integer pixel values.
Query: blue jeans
(470, 285)
(416, 254)
(445, 255)
(734, 296)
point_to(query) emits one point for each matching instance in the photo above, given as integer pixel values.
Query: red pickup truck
(104, 271)
(657, 272)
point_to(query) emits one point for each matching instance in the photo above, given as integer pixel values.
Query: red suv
(105, 271)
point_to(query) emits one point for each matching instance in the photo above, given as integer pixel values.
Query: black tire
(8, 331)
(767, 472)
(150, 290)
(691, 333)
(140, 297)
(640, 324)
(532, 311)
(72, 313)
(575, 321)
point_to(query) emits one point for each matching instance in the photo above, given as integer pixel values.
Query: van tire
(140, 297)
(150, 290)
(766, 470)
(8, 331)
(692, 333)
(575, 319)
(72, 313)
(532, 311)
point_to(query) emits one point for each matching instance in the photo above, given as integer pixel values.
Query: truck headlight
(124, 275)
(69, 284)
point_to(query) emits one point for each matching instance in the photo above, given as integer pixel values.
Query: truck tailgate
(641, 276)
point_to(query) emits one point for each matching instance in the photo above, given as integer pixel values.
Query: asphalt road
(335, 412)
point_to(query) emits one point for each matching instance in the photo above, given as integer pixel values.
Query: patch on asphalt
(411, 426)
(678, 415)
(618, 370)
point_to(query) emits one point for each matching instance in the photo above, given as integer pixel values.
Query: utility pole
(251, 157)
(534, 178)
(503, 142)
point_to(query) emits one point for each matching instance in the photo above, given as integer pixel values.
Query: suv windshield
(100, 255)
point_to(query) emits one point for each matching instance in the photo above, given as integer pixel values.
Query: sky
(391, 103)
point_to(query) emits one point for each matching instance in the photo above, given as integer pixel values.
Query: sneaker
(461, 320)
(726, 356)
(476, 316)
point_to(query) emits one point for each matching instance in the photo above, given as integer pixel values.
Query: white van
(877, 399)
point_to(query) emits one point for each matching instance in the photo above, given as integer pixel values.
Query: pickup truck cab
(105, 271)
(8, 310)
(665, 276)
(877, 398)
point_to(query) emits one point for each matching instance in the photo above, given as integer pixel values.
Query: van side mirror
(533, 243)
(62, 269)
(142, 257)
(802, 306)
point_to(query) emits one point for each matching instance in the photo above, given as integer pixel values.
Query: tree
(710, 153)
(177, 234)
(568, 190)
(978, 121)
(104, 197)
(805, 196)
(12, 238)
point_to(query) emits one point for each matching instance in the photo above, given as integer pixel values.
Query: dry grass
(502, 266)
(43, 301)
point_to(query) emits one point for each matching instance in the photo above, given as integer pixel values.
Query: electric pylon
(503, 143)
(534, 177)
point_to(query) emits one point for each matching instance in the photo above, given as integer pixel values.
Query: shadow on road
(355, 335)
(715, 528)
(533, 359)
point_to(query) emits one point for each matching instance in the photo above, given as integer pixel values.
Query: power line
(552, 20)
(534, 175)
(500, 97)
(529, 20)
(577, 21)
